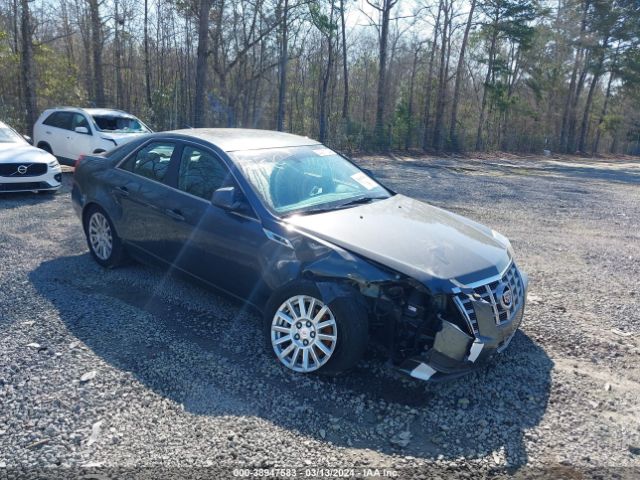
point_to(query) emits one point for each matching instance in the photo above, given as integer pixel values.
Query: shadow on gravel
(594, 172)
(209, 356)
(20, 199)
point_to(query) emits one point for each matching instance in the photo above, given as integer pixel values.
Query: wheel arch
(95, 205)
(42, 145)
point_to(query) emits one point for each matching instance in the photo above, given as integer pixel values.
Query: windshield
(8, 135)
(119, 123)
(306, 179)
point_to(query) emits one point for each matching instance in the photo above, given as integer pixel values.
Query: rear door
(220, 247)
(147, 199)
(56, 128)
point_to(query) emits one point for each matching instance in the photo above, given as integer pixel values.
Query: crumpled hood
(121, 137)
(23, 153)
(424, 242)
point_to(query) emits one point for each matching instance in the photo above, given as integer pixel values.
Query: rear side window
(59, 120)
(201, 173)
(151, 161)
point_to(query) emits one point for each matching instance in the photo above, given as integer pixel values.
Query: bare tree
(28, 73)
(96, 48)
(453, 129)
(384, 8)
(201, 63)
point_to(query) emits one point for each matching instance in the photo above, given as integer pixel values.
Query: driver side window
(201, 173)
(80, 121)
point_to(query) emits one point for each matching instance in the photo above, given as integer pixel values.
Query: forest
(433, 76)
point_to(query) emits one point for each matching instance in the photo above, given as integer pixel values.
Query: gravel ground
(132, 369)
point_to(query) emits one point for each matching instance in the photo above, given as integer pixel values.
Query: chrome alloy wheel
(304, 333)
(100, 236)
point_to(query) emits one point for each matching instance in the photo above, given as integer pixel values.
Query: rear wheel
(308, 335)
(104, 243)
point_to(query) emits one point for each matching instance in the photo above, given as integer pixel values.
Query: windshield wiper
(359, 200)
(340, 206)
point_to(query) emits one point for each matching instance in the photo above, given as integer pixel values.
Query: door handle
(122, 191)
(175, 214)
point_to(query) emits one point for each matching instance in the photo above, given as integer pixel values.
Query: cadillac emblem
(505, 296)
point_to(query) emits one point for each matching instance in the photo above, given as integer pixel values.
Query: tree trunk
(483, 106)
(573, 111)
(438, 131)
(147, 66)
(118, 56)
(379, 131)
(27, 67)
(584, 126)
(409, 134)
(201, 62)
(453, 130)
(325, 84)
(345, 69)
(284, 43)
(96, 48)
(605, 106)
(428, 86)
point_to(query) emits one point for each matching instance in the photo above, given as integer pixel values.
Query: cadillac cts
(329, 255)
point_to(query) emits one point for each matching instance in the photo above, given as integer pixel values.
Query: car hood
(121, 137)
(434, 246)
(19, 153)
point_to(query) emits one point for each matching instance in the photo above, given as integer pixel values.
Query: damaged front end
(437, 336)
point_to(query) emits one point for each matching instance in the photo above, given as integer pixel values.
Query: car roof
(91, 111)
(107, 111)
(235, 139)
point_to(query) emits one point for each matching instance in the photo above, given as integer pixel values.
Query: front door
(220, 247)
(79, 143)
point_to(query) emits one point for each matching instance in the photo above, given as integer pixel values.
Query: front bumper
(455, 352)
(51, 180)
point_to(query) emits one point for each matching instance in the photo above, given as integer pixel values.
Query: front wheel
(105, 245)
(308, 335)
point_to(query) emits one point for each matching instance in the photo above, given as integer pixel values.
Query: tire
(98, 223)
(351, 330)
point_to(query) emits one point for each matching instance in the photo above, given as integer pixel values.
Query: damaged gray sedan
(331, 257)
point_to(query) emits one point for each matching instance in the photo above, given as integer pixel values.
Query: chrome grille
(22, 169)
(488, 291)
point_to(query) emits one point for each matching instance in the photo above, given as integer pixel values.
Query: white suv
(69, 132)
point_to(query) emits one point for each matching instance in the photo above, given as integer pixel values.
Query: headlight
(53, 164)
(503, 240)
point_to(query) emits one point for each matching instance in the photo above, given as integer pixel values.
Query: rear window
(151, 161)
(59, 120)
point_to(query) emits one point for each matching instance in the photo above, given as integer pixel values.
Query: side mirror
(225, 198)
(84, 130)
(28, 139)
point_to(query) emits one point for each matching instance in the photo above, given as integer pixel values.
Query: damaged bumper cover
(454, 352)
